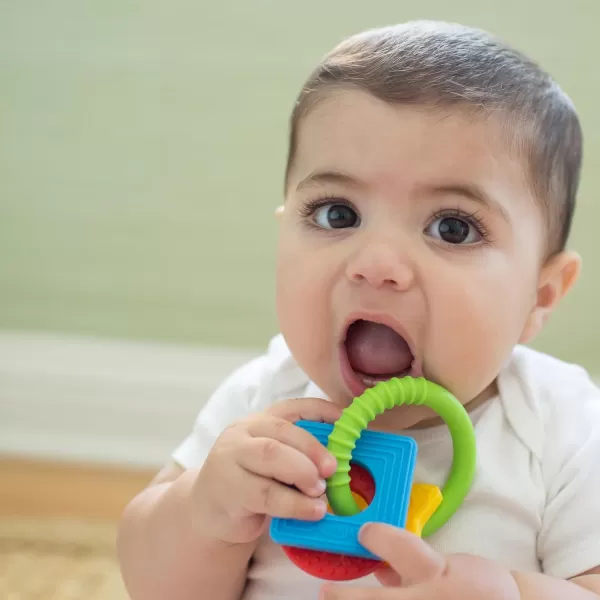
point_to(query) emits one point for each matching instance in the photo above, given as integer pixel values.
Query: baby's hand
(249, 473)
(417, 572)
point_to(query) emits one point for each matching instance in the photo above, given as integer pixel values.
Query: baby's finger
(412, 558)
(285, 432)
(270, 458)
(268, 497)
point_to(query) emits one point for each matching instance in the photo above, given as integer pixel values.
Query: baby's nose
(380, 265)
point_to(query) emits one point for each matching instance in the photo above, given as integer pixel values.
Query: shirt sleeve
(234, 399)
(569, 539)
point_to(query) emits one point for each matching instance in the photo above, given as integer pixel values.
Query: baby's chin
(401, 418)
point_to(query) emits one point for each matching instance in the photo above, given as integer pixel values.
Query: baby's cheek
(302, 318)
(474, 334)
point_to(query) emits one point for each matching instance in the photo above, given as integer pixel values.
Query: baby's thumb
(409, 556)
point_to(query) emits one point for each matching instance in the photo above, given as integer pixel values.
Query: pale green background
(142, 147)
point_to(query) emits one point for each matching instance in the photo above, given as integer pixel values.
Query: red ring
(337, 567)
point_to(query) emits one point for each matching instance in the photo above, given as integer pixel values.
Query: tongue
(375, 349)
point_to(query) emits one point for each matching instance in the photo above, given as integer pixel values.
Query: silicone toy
(424, 500)
(375, 401)
(389, 461)
(374, 481)
(339, 567)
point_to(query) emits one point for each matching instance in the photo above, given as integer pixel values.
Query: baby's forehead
(402, 146)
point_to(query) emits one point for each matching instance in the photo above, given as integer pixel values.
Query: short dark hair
(444, 65)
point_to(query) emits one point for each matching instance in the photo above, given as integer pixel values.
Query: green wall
(142, 147)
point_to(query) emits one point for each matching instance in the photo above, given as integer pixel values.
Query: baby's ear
(557, 277)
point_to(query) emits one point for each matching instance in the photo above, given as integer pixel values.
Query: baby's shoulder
(269, 377)
(546, 398)
(547, 382)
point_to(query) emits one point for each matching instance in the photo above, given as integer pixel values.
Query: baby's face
(410, 244)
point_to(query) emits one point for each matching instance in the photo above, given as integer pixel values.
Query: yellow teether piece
(424, 500)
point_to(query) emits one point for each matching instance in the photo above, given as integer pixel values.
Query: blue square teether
(390, 459)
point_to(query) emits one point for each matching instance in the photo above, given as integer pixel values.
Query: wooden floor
(58, 527)
(51, 489)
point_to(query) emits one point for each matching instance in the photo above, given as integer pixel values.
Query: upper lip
(383, 319)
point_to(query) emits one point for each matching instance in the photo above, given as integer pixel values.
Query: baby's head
(430, 187)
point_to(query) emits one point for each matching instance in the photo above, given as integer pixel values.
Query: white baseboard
(103, 401)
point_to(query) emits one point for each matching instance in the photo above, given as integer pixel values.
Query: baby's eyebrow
(329, 176)
(471, 191)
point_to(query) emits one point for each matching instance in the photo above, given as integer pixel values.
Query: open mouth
(372, 352)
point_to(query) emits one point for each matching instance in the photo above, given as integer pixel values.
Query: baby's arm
(534, 586)
(193, 535)
(163, 555)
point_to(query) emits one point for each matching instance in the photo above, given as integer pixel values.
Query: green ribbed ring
(386, 395)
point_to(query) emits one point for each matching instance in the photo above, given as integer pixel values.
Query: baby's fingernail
(320, 509)
(319, 489)
(328, 463)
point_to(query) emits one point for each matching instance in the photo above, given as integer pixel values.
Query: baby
(429, 192)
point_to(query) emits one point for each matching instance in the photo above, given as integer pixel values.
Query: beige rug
(50, 559)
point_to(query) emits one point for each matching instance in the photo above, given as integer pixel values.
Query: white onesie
(535, 502)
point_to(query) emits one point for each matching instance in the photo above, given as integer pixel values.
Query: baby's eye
(336, 216)
(454, 230)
